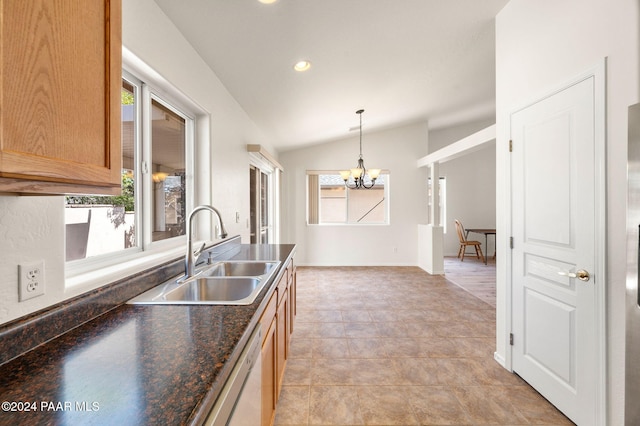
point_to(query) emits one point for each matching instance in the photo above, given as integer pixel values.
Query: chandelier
(359, 172)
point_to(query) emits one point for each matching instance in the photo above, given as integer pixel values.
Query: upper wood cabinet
(61, 70)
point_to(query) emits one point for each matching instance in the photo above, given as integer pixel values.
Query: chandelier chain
(358, 174)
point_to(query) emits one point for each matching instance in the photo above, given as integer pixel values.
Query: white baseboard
(499, 359)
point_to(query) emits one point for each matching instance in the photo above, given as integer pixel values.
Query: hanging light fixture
(359, 172)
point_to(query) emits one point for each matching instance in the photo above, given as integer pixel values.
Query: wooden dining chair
(464, 243)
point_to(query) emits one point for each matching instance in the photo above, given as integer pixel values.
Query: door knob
(580, 274)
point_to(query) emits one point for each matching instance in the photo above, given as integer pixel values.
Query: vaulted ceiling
(403, 61)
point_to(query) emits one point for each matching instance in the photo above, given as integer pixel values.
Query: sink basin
(239, 269)
(223, 283)
(208, 289)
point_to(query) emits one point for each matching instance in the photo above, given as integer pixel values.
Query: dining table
(486, 232)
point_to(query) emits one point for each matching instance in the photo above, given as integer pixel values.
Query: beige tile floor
(397, 346)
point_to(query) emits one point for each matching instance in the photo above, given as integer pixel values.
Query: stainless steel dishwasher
(239, 403)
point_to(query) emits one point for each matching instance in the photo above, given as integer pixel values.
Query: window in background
(443, 202)
(331, 202)
(97, 225)
(154, 184)
(168, 147)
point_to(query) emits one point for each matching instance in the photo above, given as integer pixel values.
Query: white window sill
(81, 279)
(99, 277)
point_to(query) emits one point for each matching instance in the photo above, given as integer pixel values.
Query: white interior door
(554, 215)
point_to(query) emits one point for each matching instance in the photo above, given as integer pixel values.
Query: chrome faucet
(190, 258)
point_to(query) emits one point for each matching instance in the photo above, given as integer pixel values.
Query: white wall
(395, 150)
(471, 184)
(541, 45)
(32, 228)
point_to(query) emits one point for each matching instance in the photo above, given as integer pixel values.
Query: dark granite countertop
(136, 364)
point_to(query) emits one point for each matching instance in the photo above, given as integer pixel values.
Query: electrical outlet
(31, 280)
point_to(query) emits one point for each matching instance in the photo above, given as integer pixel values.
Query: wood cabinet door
(292, 299)
(60, 101)
(269, 375)
(281, 337)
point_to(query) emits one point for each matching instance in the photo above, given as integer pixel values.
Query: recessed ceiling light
(267, 1)
(302, 66)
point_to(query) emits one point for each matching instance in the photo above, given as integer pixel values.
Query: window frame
(442, 200)
(272, 173)
(149, 87)
(149, 94)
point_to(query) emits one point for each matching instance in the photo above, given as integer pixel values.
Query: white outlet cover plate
(30, 280)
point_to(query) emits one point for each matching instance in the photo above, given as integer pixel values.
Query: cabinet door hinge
(511, 339)
(511, 242)
(510, 145)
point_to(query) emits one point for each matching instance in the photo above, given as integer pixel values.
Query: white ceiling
(403, 61)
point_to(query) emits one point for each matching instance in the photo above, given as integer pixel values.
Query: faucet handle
(197, 252)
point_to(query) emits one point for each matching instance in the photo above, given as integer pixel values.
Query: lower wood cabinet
(277, 325)
(269, 374)
(282, 337)
(292, 298)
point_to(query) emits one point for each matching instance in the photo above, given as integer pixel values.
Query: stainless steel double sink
(222, 283)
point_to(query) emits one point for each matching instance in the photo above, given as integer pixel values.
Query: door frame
(273, 173)
(598, 72)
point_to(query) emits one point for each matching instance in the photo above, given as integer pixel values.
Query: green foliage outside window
(127, 98)
(126, 200)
